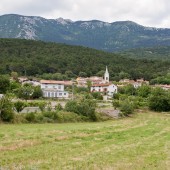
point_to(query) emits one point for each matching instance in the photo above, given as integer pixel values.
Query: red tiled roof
(55, 82)
(101, 85)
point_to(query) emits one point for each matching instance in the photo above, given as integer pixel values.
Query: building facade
(106, 89)
(53, 89)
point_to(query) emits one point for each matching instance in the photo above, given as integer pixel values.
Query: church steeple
(106, 76)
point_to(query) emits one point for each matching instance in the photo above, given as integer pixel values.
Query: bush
(84, 107)
(97, 95)
(69, 117)
(30, 117)
(19, 106)
(116, 103)
(4, 84)
(126, 108)
(37, 93)
(159, 100)
(58, 107)
(50, 115)
(6, 109)
(42, 105)
(144, 91)
(71, 106)
(7, 116)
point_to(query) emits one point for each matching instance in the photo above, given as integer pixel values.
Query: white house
(108, 89)
(53, 89)
(105, 87)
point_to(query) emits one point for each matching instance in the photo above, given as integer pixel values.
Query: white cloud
(145, 12)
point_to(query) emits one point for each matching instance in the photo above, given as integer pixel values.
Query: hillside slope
(160, 53)
(36, 57)
(96, 34)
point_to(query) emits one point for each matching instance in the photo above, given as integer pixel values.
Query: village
(56, 89)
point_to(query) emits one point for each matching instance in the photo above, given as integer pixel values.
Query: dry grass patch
(140, 142)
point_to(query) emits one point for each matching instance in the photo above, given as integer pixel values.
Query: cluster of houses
(56, 89)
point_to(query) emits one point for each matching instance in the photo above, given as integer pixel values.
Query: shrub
(30, 117)
(6, 111)
(144, 91)
(4, 84)
(71, 106)
(58, 107)
(126, 108)
(69, 117)
(50, 115)
(116, 103)
(97, 95)
(84, 107)
(19, 106)
(7, 115)
(37, 93)
(159, 100)
(42, 105)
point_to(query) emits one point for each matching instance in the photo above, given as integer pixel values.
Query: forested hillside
(160, 52)
(33, 58)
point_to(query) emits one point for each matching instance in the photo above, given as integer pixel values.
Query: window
(48, 94)
(59, 86)
(105, 89)
(65, 94)
(60, 94)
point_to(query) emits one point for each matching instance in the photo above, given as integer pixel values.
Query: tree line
(60, 61)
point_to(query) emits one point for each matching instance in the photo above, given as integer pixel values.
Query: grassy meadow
(134, 143)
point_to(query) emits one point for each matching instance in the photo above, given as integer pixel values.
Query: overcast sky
(154, 13)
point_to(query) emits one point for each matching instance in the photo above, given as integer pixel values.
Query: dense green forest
(34, 58)
(159, 52)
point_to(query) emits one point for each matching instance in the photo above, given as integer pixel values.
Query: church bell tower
(106, 76)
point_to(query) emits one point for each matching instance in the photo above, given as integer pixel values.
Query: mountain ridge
(115, 36)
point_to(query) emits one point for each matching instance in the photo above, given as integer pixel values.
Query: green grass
(141, 142)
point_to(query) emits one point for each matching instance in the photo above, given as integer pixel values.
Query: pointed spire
(106, 70)
(106, 76)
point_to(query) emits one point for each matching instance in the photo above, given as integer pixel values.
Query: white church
(105, 86)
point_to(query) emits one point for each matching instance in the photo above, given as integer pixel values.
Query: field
(136, 143)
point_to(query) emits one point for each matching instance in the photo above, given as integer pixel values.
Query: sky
(152, 13)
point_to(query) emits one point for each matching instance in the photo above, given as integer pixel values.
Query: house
(136, 83)
(106, 89)
(31, 82)
(53, 89)
(105, 86)
(22, 79)
(82, 82)
(163, 86)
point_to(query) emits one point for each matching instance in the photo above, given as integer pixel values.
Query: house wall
(97, 89)
(59, 87)
(111, 89)
(55, 94)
